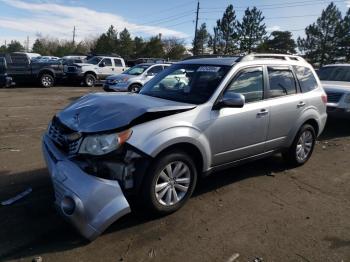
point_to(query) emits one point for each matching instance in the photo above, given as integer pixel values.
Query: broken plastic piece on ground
(16, 198)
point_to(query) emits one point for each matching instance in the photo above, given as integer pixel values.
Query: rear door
(118, 66)
(286, 104)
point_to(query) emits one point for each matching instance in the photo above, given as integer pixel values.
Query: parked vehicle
(134, 78)
(222, 112)
(142, 60)
(24, 70)
(45, 59)
(96, 68)
(336, 82)
(5, 80)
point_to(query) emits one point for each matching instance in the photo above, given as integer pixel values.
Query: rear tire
(169, 183)
(47, 80)
(90, 80)
(303, 145)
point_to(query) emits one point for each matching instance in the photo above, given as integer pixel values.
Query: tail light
(324, 98)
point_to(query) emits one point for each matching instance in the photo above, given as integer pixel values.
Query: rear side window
(118, 62)
(282, 82)
(250, 83)
(306, 78)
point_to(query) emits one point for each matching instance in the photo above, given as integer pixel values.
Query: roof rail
(251, 57)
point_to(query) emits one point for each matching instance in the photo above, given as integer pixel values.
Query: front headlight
(103, 144)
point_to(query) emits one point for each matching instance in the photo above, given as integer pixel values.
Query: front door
(106, 68)
(238, 133)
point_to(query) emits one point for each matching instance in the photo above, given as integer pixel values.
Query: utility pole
(27, 44)
(195, 32)
(73, 35)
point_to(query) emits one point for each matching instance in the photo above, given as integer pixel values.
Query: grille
(59, 134)
(334, 97)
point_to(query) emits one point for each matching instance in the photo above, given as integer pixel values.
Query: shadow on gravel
(336, 128)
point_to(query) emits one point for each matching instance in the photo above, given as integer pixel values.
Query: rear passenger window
(282, 81)
(118, 63)
(249, 82)
(306, 78)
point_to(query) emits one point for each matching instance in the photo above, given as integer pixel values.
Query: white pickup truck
(95, 69)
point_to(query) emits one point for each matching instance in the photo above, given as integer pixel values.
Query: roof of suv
(229, 61)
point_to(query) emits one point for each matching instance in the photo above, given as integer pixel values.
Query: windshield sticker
(213, 69)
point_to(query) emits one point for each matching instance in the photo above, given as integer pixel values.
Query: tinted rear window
(306, 78)
(335, 73)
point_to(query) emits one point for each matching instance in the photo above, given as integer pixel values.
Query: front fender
(176, 135)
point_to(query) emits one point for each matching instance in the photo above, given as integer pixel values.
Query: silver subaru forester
(194, 118)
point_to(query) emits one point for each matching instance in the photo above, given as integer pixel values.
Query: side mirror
(231, 99)
(102, 64)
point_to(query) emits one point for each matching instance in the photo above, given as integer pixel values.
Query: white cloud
(273, 28)
(347, 3)
(58, 20)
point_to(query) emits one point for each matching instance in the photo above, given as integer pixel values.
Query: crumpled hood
(336, 86)
(105, 111)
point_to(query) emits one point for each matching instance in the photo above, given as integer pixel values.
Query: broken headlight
(103, 144)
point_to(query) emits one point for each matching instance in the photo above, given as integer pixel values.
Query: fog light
(68, 205)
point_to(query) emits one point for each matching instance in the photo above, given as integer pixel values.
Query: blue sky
(56, 18)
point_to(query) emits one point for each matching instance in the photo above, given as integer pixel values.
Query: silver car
(336, 82)
(134, 78)
(197, 117)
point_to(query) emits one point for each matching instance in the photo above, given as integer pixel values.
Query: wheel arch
(91, 73)
(46, 71)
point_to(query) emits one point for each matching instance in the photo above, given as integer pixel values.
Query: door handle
(263, 112)
(301, 104)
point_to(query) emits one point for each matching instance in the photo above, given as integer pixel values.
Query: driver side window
(250, 83)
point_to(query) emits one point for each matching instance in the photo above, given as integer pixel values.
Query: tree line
(327, 40)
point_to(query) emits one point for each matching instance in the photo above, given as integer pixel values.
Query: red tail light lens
(324, 98)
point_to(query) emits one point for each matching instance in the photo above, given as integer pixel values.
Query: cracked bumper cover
(97, 202)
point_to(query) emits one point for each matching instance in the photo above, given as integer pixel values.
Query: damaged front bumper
(90, 203)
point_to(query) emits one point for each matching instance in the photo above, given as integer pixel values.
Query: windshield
(335, 73)
(136, 70)
(186, 83)
(95, 60)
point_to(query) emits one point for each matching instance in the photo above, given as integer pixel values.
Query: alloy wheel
(172, 183)
(304, 145)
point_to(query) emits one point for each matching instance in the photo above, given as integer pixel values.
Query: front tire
(134, 88)
(47, 80)
(301, 150)
(169, 183)
(90, 80)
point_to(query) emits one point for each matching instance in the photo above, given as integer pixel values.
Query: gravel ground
(258, 211)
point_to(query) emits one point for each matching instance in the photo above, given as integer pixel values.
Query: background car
(134, 78)
(5, 80)
(336, 82)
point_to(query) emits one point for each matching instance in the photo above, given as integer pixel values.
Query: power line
(275, 17)
(279, 5)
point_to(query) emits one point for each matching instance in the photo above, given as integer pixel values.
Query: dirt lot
(261, 210)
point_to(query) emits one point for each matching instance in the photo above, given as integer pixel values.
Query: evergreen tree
(322, 37)
(251, 30)
(200, 44)
(154, 48)
(126, 44)
(228, 31)
(14, 46)
(107, 42)
(139, 45)
(279, 42)
(344, 35)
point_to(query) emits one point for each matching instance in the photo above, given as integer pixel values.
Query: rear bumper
(93, 203)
